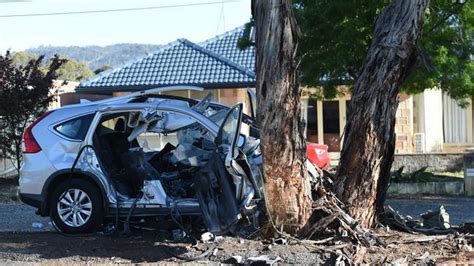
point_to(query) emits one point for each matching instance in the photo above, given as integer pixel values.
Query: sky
(200, 20)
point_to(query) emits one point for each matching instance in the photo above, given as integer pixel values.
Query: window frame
(60, 134)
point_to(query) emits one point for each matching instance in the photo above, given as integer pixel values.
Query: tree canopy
(336, 34)
(25, 92)
(72, 70)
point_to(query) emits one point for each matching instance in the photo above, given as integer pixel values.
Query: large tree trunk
(369, 138)
(279, 114)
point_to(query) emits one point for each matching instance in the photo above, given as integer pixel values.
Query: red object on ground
(318, 154)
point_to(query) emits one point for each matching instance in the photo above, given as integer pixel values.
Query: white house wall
(430, 119)
(454, 120)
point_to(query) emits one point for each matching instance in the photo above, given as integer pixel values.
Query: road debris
(207, 237)
(280, 241)
(433, 222)
(236, 259)
(178, 234)
(37, 225)
(262, 259)
(436, 219)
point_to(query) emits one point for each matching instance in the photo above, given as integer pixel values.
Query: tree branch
(445, 18)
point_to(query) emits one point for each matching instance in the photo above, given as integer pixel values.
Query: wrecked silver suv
(142, 155)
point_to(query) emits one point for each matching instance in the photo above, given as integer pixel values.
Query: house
(65, 94)
(427, 122)
(216, 65)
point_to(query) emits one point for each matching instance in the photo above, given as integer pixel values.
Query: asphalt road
(460, 209)
(18, 217)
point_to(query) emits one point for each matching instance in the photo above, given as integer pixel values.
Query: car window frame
(61, 135)
(201, 119)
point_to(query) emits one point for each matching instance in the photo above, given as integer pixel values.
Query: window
(312, 120)
(332, 135)
(115, 123)
(229, 127)
(331, 117)
(75, 128)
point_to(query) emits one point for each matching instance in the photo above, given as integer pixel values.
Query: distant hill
(96, 56)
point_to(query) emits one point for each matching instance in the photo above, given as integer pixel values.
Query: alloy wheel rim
(74, 207)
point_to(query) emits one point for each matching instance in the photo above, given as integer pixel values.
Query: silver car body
(59, 154)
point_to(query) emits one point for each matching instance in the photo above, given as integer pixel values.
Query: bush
(419, 176)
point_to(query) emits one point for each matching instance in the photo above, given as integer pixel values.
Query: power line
(111, 10)
(221, 18)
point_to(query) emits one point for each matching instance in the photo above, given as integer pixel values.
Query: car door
(228, 135)
(253, 102)
(227, 141)
(215, 181)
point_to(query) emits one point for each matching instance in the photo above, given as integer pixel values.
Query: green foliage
(336, 35)
(25, 92)
(23, 58)
(397, 176)
(72, 70)
(246, 40)
(419, 176)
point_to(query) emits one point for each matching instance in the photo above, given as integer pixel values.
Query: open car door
(216, 182)
(229, 140)
(253, 102)
(229, 134)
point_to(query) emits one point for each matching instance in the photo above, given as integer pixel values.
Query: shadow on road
(140, 247)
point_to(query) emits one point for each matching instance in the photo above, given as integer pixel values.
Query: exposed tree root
(330, 229)
(329, 224)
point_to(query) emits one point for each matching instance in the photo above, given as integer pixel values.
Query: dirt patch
(139, 248)
(143, 247)
(405, 248)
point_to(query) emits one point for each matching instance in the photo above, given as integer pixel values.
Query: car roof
(138, 99)
(134, 95)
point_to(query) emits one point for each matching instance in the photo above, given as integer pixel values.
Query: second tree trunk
(369, 135)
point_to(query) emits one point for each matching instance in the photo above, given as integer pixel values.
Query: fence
(7, 168)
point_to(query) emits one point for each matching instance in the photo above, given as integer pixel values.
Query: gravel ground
(19, 217)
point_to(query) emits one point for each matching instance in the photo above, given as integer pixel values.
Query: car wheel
(76, 207)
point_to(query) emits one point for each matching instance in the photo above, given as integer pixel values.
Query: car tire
(76, 207)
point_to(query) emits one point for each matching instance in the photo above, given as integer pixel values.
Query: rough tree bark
(279, 114)
(369, 139)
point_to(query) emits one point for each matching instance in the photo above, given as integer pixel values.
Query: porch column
(469, 121)
(304, 115)
(342, 120)
(319, 108)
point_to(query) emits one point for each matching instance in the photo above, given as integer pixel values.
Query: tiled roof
(226, 46)
(216, 63)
